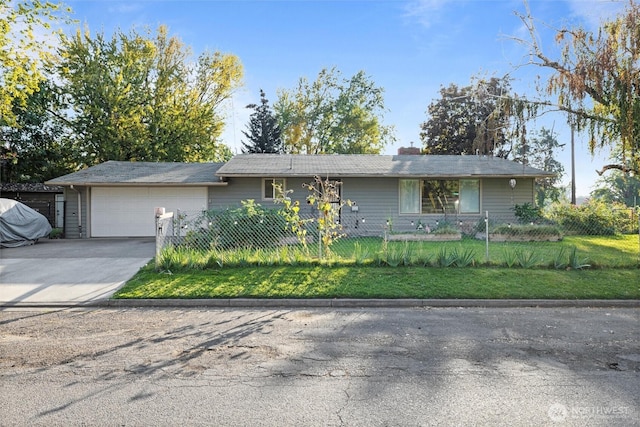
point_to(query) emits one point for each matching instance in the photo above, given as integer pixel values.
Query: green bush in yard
(594, 218)
(527, 213)
(248, 226)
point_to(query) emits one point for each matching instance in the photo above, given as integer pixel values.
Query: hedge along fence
(252, 234)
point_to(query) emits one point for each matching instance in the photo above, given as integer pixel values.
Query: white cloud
(594, 12)
(123, 8)
(426, 12)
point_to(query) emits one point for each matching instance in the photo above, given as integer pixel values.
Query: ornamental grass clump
(464, 258)
(527, 259)
(575, 262)
(444, 258)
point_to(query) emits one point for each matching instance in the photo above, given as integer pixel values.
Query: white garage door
(129, 211)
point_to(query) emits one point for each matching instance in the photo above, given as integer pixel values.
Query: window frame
(272, 181)
(400, 198)
(421, 182)
(479, 181)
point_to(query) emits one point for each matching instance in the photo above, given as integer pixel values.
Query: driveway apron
(69, 272)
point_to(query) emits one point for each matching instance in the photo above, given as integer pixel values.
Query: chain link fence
(567, 237)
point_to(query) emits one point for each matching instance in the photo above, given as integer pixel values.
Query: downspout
(79, 210)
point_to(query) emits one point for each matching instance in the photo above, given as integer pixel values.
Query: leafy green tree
(263, 131)
(333, 115)
(596, 80)
(618, 187)
(138, 97)
(539, 152)
(36, 148)
(22, 52)
(469, 120)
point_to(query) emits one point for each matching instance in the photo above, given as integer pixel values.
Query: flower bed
(523, 233)
(499, 237)
(426, 237)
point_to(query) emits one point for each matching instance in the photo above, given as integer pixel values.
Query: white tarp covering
(20, 225)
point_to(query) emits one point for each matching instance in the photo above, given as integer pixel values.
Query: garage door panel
(129, 212)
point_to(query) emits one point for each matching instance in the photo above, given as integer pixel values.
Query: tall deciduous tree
(539, 152)
(618, 187)
(263, 131)
(469, 120)
(138, 97)
(36, 149)
(333, 115)
(597, 82)
(22, 51)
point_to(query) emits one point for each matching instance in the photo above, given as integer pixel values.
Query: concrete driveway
(69, 272)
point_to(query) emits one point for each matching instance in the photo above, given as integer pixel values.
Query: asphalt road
(320, 367)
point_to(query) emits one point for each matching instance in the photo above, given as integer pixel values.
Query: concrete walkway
(69, 272)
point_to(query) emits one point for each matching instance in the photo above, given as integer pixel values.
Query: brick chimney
(402, 151)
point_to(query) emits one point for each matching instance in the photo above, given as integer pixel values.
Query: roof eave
(369, 175)
(138, 184)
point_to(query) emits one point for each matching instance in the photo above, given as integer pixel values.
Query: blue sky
(410, 48)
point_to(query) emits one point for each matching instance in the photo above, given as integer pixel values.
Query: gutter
(146, 184)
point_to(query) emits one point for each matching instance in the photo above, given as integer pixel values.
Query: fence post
(158, 232)
(486, 234)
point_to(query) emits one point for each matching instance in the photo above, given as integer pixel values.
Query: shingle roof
(29, 187)
(145, 173)
(370, 165)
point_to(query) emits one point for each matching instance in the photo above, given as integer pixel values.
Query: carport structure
(118, 199)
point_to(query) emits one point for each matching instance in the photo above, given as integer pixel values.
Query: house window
(438, 196)
(410, 196)
(268, 190)
(469, 196)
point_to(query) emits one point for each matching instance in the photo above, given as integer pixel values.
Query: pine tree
(263, 132)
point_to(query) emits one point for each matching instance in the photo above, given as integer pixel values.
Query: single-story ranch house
(117, 199)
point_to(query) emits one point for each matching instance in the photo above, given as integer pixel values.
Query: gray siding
(378, 201)
(376, 198)
(72, 230)
(499, 199)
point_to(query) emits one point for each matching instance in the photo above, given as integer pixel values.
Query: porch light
(512, 183)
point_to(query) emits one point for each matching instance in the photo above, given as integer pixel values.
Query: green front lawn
(370, 268)
(383, 282)
(600, 251)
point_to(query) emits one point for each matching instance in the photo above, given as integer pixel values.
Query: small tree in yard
(324, 195)
(291, 214)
